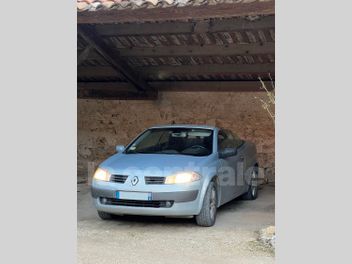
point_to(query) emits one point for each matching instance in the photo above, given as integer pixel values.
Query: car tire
(104, 215)
(207, 214)
(252, 192)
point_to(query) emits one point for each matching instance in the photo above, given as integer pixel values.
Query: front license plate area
(141, 196)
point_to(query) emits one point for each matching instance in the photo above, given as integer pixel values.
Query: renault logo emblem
(134, 180)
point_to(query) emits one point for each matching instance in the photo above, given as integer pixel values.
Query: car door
(241, 165)
(228, 173)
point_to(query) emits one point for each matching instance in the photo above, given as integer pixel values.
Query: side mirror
(227, 152)
(120, 148)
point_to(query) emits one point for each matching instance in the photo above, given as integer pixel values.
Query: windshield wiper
(138, 152)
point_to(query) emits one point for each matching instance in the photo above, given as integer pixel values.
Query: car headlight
(102, 175)
(182, 177)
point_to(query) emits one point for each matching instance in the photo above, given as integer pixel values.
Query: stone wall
(103, 124)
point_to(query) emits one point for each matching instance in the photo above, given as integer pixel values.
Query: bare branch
(269, 104)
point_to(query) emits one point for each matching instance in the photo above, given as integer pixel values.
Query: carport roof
(131, 49)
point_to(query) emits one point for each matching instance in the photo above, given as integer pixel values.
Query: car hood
(154, 164)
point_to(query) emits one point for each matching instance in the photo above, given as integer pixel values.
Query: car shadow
(151, 220)
(143, 220)
(233, 205)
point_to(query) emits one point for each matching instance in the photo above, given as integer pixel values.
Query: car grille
(154, 180)
(136, 203)
(118, 178)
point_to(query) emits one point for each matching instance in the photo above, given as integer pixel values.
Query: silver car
(176, 170)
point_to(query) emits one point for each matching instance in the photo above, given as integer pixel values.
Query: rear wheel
(252, 192)
(207, 214)
(104, 215)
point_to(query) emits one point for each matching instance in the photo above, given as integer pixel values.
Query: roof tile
(92, 5)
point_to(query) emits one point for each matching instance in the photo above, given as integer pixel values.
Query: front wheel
(207, 214)
(104, 215)
(252, 192)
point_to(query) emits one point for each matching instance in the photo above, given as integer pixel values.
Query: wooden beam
(84, 54)
(163, 72)
(181, 27)
(207, 50)
(108, 94)
(117, 86)
(223, 10)
(180, 86)
(96, 71)
(89, 34)
(113, 95)
(211, 86)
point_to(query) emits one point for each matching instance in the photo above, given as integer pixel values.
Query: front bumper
(185, 197)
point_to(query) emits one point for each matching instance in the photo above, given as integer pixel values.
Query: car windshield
(177, 141)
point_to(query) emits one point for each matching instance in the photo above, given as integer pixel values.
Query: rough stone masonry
(103, 124)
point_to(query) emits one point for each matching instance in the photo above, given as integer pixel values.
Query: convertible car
(176, 170)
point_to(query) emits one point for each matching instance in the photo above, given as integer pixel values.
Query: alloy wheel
(212, 203)
(254, 186)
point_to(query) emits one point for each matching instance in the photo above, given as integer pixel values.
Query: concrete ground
(138, 239)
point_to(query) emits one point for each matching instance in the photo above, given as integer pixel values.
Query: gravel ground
(137, 239)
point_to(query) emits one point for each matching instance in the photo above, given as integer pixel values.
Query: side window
(237, 141)
(221, 138)
(225, 140)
